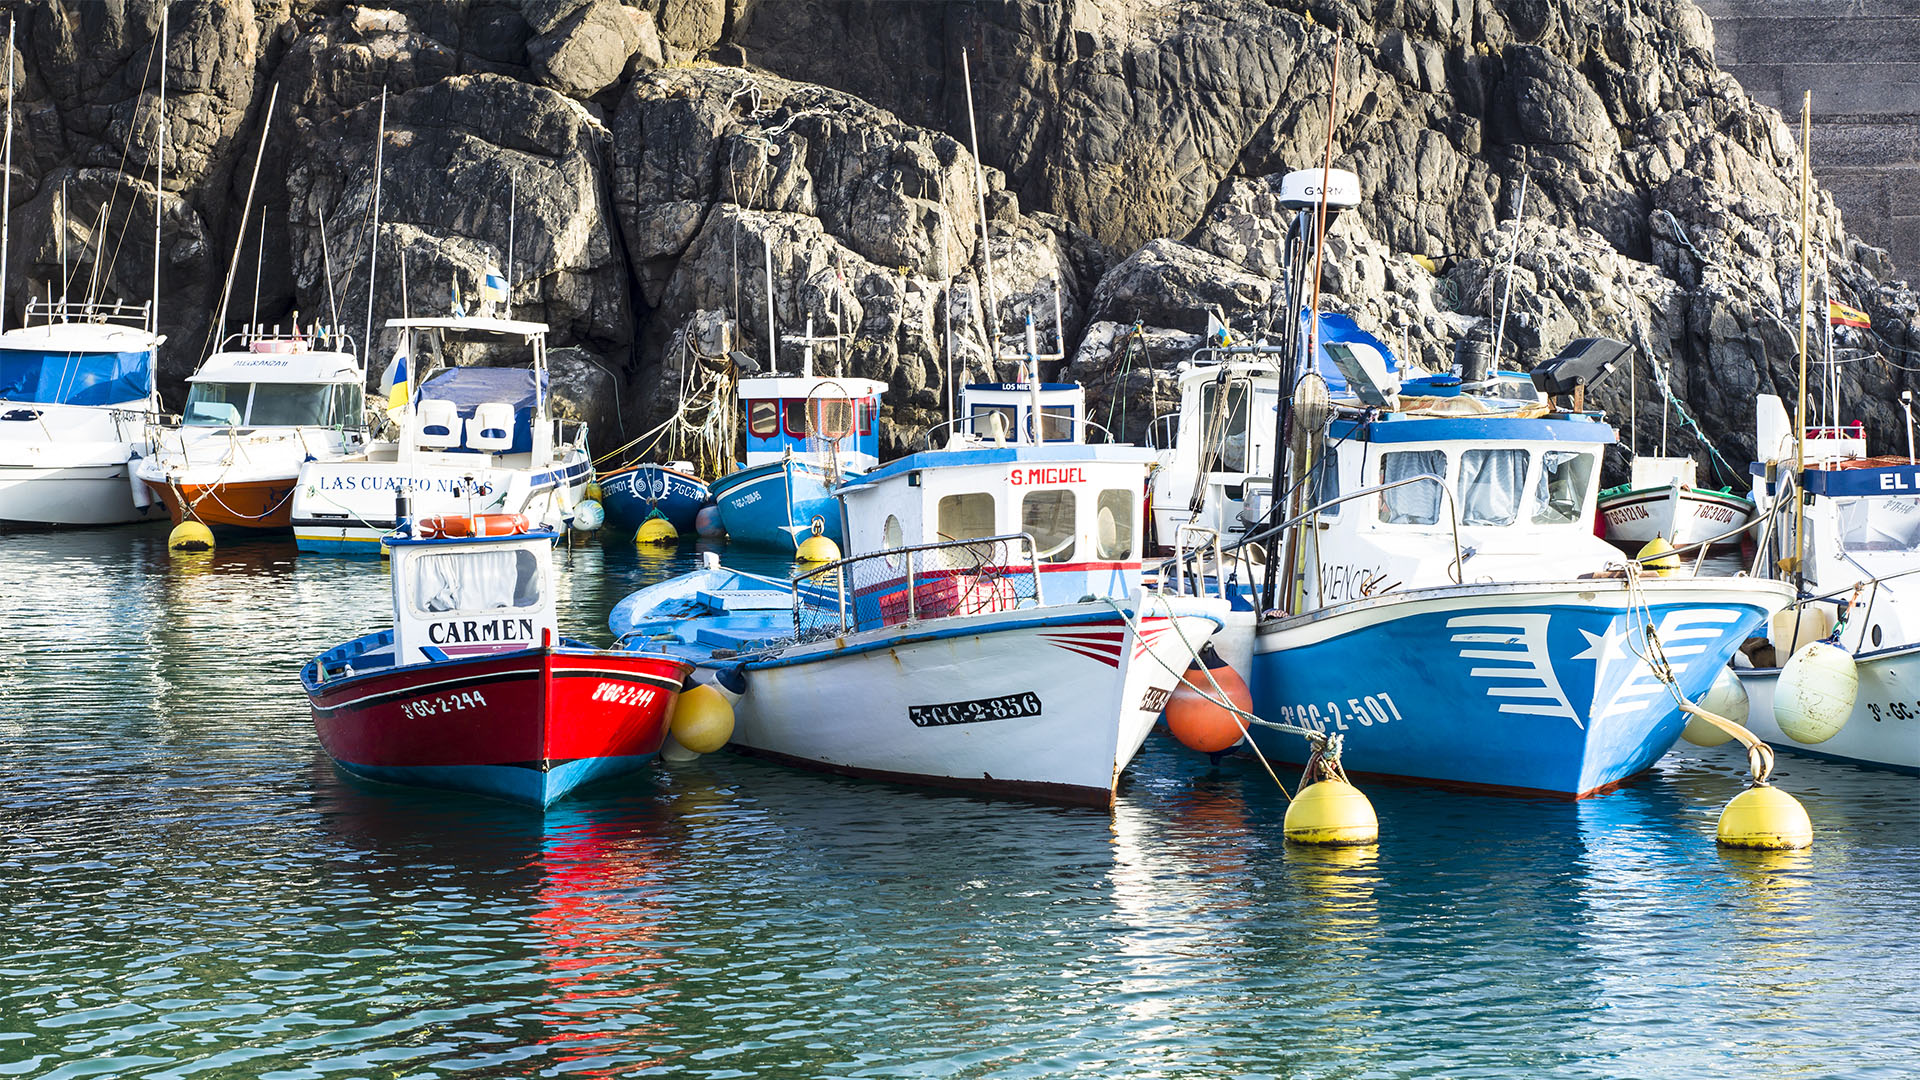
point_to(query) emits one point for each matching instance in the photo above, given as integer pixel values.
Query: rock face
(636, 191)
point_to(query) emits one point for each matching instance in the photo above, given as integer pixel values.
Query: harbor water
(192, 890)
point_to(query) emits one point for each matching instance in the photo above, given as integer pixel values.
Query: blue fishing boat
(631, 494)
(804, 435)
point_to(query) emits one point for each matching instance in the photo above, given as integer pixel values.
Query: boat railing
(1453, 515)
(924, 581)
(261, 338)
(1050, 420)
(1188, 569)
(1171, 422)
(88, 311)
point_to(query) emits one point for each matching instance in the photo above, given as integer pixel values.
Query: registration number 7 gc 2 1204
(1367, 711)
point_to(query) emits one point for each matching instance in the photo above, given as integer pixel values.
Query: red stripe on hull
(261, 504)
(528, 709)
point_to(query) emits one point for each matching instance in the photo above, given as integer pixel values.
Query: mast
(991, 313)
(1792, 562)
(6, 185)
(773, 343)
(246, 211)
(159, 181)
(373, 240)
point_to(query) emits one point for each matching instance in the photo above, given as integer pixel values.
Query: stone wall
(1861, 60)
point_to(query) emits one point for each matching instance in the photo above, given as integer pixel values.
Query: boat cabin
(810, 416)
(1081, 504)
(77, 354)
(1221, 441)
(460, 597)
(496, 412)
(1003, 412)
(270, 379)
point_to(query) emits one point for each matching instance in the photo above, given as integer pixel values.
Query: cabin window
(1416, 503)
(350, 405)
(763, 419)
(476, 581)
(1491, 483)
(291, 405)
(966, 517)
(1326, 481)
(1113, 525)
(985, 426)
(821, 418)
(1056, 421)
(794, 410)
(892, 537)
(1878, 523)
(1224, 431)
(215, 404)
(865, 411)
(1560, 495)
(1048, 517)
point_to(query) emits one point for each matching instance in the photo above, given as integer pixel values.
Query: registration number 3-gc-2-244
(1357, 712)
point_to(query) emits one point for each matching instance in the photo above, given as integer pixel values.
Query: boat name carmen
(456, 630)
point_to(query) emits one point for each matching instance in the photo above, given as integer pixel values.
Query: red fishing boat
(472, 690)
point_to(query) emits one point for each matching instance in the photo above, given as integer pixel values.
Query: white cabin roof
(320, 366)
(800, 386)
(473, 324)
(80, 337)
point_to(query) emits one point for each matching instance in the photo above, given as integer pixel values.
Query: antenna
(159, 177)
(990, 312)
(1513, 253)
(6, 185)
(259, 263)
(373, 245)
(773, 343)
(507, 270)
(233, 265)
(61, 238)
(326, 267)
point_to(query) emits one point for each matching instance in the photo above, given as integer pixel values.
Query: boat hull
(1526, 689)
(265, 505)
(528, 726)
(630, 496)
(77, 495)
(1048, 704)
(777, 505)
(1682, 515)
(1883, 731)
(346, 507)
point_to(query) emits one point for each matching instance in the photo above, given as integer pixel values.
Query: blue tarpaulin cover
(467, 387)
(58, 377)
(1338, 327)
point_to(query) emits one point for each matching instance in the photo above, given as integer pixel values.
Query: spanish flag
(1839, 314)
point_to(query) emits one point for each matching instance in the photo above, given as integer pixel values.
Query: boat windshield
(1879, 523)
(1225, 424)
(235, 404)
(1560, 495)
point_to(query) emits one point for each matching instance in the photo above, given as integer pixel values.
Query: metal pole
(1506, 292)
(373, 245)
(6, 184)
(773, 343)
(507, 270)
(246, 211)
(159, 179)
(990, 313)
(1792, 562)
(259, 263)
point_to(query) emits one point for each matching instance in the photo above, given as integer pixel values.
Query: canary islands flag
(1839, 314)
(493, 286)
(394, 382)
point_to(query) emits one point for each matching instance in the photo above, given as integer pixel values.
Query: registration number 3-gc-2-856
(1356, 712)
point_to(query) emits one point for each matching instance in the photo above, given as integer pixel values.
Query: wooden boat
(1663, 498)
(472, 690)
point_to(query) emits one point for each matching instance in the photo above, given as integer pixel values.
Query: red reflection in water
(602, 912)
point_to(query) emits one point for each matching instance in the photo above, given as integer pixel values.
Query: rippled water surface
(190, 889)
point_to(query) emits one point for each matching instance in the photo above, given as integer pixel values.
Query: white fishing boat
(1859, 583)
(991, 633)
(257, 411)
(1664, 499)
(76, 397)
(471, 440)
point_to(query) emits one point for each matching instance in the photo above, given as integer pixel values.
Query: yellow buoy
(1331, 812)
(818, 548)
(594, 492)
(1425, 262)
(190, 535)
(702, 720)
(1727, 699)
(1815, 694)
(1658, 557)
(656, 530)
(1767, 818)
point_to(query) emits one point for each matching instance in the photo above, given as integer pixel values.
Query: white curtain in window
(1490, 486)
(1412, 504)
(475, 581)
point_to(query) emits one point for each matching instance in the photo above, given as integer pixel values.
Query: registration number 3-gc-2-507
(1356, 712)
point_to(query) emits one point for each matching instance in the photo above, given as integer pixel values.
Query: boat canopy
(62, 377)
(468, 388)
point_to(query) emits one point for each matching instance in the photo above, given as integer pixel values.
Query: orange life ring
(500, 524)
(460, 526)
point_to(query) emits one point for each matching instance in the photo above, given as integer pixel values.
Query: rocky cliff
(639, 168)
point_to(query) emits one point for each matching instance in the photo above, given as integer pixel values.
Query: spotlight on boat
(1331, 812)
(1584, 362)
(190, 535)
(1815, 693)
(1727, 697)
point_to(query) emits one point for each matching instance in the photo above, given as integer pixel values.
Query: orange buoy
(1197, 722)
(443, 527)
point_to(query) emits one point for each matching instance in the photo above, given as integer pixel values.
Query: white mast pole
(159, 179)
(990, 313)
(6, 185)
(246, 211)
(773, 343)
(373, 244)
(507, 270)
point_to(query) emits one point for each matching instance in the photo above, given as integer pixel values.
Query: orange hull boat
(257, 504)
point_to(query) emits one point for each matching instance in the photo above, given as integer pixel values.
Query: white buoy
(588, 516)
(1726, 698)
(1815, 693)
